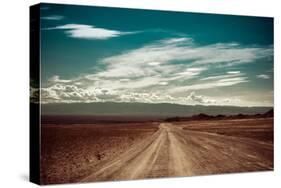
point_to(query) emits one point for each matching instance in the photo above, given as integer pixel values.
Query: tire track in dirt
(134, 164)
(172, 151)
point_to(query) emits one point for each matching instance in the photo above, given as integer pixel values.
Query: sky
(98, 54)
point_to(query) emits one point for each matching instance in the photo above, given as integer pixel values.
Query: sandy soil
(137, 151)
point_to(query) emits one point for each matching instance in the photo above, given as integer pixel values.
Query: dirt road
(172, 151)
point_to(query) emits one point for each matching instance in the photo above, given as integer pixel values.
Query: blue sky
(94, 54)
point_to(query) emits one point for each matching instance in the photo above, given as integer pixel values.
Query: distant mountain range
(146, 109)
(268, 114)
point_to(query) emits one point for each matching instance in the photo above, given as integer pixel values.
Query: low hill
(147, 109)
(201, 116)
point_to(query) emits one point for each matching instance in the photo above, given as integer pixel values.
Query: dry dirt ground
(71, 152)
(172, 149)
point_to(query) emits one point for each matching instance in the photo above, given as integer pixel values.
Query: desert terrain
(125, 151)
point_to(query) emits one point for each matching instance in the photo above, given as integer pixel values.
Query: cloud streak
(263, 76)
(82, 31)
(211, 85)
(53, 17)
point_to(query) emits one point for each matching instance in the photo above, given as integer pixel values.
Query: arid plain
(126, 151)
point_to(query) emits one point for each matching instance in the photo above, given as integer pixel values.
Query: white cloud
(207, 100)
(163, 83)
(263, 76)
(162, 71)
(200, 99)
(56, 79)
(168, 50)
(177, 41)
(227, 54)
(88, 31)
(192, 71)
(69, 93)
(224, 76)
(145, 97)
(154, 63)
(216, 83)
(233, 72)
(53, 17)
